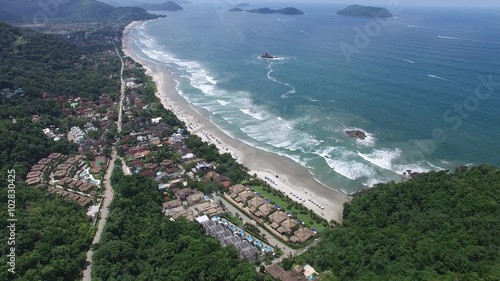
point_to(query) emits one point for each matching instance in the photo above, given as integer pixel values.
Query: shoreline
(280, 172)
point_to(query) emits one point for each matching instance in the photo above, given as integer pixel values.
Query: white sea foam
(223, 103)
(382, 157)
(350, 168)
(373, 181)
(289, 92)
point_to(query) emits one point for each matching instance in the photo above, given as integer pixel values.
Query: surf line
(285, 95)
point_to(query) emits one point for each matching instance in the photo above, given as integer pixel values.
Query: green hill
(37, 12)
(41, 63)
(165, 6)
(439, 226)
(363, 11)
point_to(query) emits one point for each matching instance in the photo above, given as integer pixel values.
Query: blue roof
(267, 200)
(277, 207)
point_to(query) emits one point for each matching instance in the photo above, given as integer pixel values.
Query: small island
(235, 10)
(284, 11)
(365, 11)
(356, 134)
(267, 56)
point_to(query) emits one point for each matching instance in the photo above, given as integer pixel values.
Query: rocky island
(284, 11)
(357, 134)
(267, 56)
(235, 10)
(364, 11)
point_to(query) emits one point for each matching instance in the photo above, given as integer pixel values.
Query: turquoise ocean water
(411, 86)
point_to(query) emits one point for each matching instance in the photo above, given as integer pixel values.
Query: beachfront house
(236, 189)
(276, 218)
(302, 234)
(264, 210)
(255, 203)
(287, 226)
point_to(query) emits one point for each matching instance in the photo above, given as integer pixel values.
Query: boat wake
(441, 78)
(405, 60)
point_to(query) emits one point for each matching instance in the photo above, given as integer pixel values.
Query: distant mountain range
(30, 11)
(139, 3)
(165, 6)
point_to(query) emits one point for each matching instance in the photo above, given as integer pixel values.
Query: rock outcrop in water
(357, 134)
(365, 11)
(267, 56)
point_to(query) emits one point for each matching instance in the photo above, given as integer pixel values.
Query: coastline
(285, 174)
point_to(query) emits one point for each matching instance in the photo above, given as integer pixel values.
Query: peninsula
(364, 11)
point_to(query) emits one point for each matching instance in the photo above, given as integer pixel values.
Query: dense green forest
(52, 236)
(40, 11)
(438, 226)
(139, 243)
(40, 63)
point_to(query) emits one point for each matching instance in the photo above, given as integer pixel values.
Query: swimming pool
(258, 244)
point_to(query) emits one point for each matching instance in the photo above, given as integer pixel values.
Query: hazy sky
(384, 3)
(380, 3)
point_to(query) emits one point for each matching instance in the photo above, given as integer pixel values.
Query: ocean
(424, 86)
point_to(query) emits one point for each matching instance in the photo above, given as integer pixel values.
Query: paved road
(270, 238)
(108, 190)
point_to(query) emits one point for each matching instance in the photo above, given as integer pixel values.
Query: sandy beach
(294, 180)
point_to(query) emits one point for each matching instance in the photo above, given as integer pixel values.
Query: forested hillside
(439, 226)
(41, 63)
(38, 11)
(139, 243)
(52, 236)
